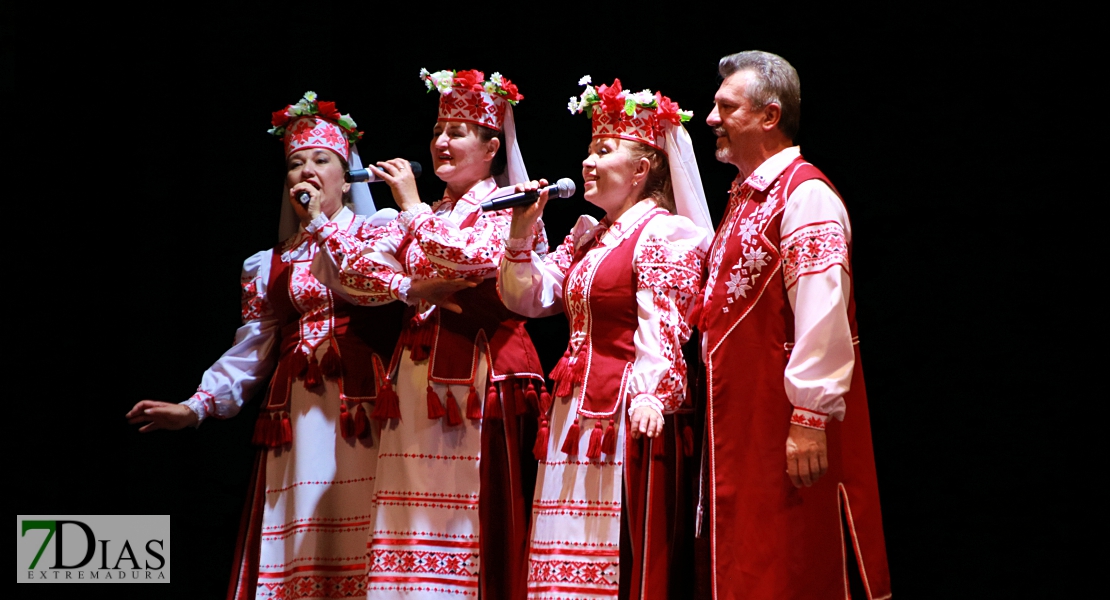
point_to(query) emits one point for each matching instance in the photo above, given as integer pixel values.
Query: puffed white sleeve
(361, 266)
(815, 238)
(247, 365)
(531, 282)
(668, 267)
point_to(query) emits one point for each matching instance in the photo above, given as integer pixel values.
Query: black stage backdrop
(161, 179)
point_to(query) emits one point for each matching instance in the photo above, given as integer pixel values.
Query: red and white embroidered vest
(309, 314)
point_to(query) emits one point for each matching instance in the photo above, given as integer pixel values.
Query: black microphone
(303, 198)
(360, 175)
(564, 188)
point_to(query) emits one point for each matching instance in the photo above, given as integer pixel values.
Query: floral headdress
(312, 123)
(468, 96)
(618, 113)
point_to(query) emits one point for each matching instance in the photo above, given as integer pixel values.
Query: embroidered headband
(467, 96)
(314, 124)
(617, 113)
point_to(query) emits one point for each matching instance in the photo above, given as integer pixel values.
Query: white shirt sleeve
(668, 266)
(247, 365)
(531, 284)
(815, 238)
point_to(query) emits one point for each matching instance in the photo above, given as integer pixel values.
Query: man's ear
(772, 113)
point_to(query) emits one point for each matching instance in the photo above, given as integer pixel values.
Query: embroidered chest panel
(745, 256)
(310, 298)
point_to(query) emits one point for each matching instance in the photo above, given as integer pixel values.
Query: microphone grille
(566, 187)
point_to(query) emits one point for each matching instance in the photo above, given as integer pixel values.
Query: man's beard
(723, 154)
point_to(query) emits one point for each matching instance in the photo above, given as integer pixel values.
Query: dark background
(161, 180)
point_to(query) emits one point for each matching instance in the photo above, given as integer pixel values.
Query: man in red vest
(791, 483)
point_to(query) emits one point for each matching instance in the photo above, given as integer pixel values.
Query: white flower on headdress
(309, 96)
(686, 115)
(643, 97)
(496, 78)
(346, 122)
(585, 79)
(574, 106)
(490, 87)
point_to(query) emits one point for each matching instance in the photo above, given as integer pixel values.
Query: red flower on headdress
(668, 109)
(610, 96)
(471, 80)
(280, 117)
(512, 93)
(327, 110)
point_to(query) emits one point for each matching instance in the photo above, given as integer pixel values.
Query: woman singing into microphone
(309, 504)
(613, 444)
(450, 504)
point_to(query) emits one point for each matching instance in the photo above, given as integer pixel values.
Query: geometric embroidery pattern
(813, 249)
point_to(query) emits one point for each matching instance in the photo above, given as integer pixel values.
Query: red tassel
(421, 338)
(454, 417)
(259, 437)
(435, 407)
(545, 399)
(561, 367)
(578, 372)
(688, 441)
(539, 450)
(387, 405)
(593, 451)
(570, 444)
(300, 364)
(531, 397)
(362, 422)
(286, 429)
(564, 386)
(331, 365)
(473, 405)
(344, 421)
(273, 431)
(493, 404)
(313, 376)
(609, 442)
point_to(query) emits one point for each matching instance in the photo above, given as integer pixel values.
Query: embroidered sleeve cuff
(321, 228)
(401, 288)
(519, 249)
(809, 418)
(199, 404)
(407, 217)
(646, 400)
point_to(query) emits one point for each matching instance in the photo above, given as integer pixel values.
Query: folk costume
(450, 504)
(626, 287)
(781, 348)
(303, 533)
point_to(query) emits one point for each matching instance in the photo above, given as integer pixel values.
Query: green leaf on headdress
(629, 105)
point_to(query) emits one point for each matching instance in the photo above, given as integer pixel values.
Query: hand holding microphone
(564, 188)
(360, 175)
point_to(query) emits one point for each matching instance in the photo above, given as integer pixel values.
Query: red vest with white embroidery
(308, 314)
(452, 343)
(770, 539)
(600, 302)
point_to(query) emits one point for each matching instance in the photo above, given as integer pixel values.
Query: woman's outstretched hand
(398, 174)
(525, 217)
(440, 291)
(161, 415)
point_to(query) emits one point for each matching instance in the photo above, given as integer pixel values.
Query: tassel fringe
(435, 407)
(454, 417)
(570, 444)
(593, 451)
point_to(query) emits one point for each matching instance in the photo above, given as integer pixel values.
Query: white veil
(689, 196)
